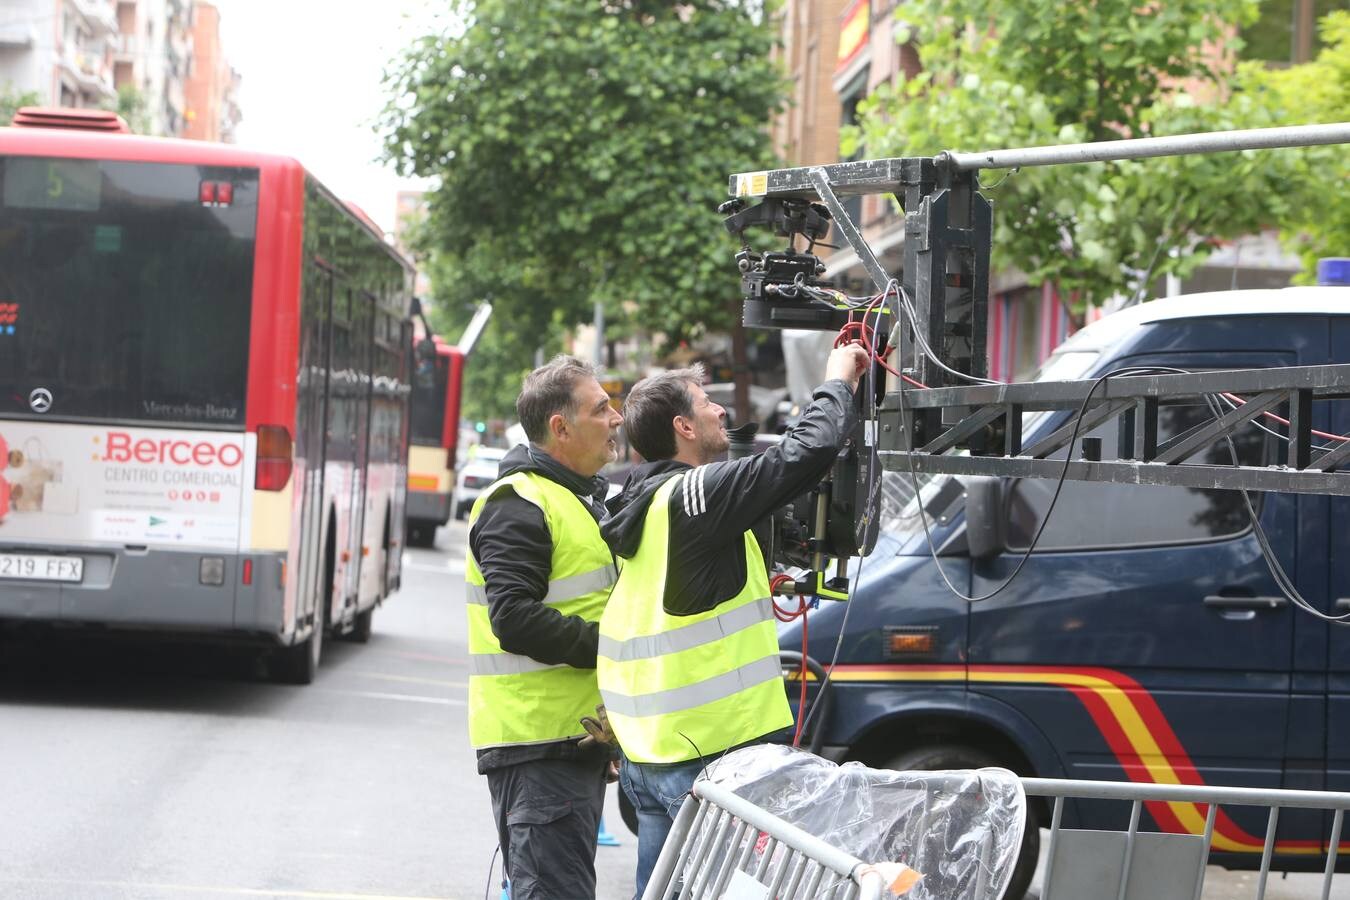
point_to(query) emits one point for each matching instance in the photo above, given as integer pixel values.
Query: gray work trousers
(548, 813)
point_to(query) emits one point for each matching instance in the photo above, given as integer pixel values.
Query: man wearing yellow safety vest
(688, 657)
(538, 576)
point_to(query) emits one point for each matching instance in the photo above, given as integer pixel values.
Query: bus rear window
(122, 295)
(428, 400)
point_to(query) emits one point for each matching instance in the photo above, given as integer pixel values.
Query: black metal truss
(991, 430)
(948, 227)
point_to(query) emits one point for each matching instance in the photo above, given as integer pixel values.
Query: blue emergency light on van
(1333, 270)
(1146, 639)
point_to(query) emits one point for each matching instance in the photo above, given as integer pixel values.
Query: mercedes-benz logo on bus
(40, 400)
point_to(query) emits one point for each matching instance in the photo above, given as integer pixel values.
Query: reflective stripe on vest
(514, 699)
(561, 590)
(686, 637)
(680, 687)
(661, 703)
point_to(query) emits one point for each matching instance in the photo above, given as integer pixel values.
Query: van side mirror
(985, 537)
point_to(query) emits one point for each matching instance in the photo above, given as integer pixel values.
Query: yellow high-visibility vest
(514, 699)
(682, 687)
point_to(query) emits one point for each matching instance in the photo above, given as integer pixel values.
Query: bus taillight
(215, 193)
(274, 458)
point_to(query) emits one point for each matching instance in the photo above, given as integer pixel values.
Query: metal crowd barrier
(1150, 865)
(713, 843)
(715, 837)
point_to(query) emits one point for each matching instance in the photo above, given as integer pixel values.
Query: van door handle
(1221, 601)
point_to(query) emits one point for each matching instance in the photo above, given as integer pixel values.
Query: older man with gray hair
(539, 575)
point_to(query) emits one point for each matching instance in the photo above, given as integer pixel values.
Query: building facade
(59, 50)
(410, 211)
(154, 57)
(212, 88)
(132, 55)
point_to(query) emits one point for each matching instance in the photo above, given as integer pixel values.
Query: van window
(1097, 515)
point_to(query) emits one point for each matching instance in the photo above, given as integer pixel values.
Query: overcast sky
(312, 85)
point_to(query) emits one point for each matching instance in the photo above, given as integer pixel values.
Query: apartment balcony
(99, 14)
(88, 70)
(180, 11)
(125, 47)
(17, 37)
(178, 51)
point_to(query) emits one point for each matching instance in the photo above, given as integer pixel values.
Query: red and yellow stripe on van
(1128, 718)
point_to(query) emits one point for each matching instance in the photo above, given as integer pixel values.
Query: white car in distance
(477, 473)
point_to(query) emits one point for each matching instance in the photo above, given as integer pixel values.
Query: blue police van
(1145, 639)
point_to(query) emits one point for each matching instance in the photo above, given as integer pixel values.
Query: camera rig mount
(943, 298)
(942, 415)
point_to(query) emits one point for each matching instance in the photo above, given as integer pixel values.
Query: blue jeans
(657, 792)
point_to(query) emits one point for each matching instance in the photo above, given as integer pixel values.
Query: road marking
(380, 695)
(424, 657)
(211, 889)
(412, 679)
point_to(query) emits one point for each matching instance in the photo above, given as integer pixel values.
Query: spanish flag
(853, 31)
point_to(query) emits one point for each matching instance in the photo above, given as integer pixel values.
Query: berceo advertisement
(64, 483)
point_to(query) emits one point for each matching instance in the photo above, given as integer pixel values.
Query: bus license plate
(40, 567)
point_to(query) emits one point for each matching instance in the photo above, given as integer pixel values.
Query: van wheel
(959, 756)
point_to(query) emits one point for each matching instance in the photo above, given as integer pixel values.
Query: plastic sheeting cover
(960, 829)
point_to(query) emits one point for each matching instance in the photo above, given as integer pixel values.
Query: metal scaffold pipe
(1145, 148)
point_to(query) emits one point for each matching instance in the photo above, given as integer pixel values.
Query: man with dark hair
(688, 658)
(538, 576)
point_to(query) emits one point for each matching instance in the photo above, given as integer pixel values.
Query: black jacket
(719, 502)
(511, 543)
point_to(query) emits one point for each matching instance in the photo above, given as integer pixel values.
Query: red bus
(204, 379)
(436, 387)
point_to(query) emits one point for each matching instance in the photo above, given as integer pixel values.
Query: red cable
(801, 702)
(863, 335)
(786, 615)
(1270, 415)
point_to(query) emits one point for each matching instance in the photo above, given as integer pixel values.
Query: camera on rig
(784, 289)
(838, 518)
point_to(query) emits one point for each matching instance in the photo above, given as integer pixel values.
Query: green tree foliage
(506, 350)
(1317, 223)
(132, 107)
(582, 149)
(11, 101)
(1045, 72)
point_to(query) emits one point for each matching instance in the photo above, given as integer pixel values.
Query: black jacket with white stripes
(719, 502)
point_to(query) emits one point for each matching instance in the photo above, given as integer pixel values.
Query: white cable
(1270, 431)
(907, 305)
